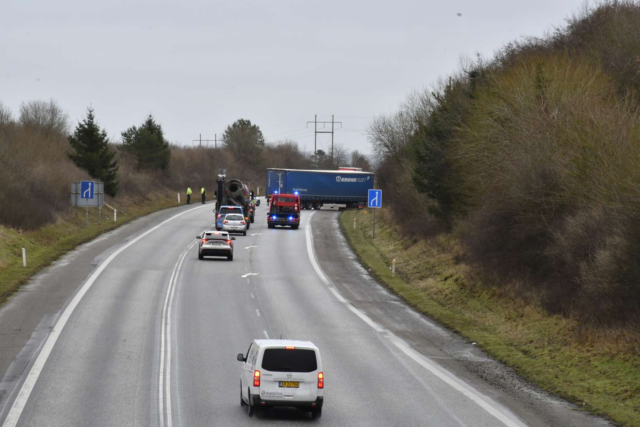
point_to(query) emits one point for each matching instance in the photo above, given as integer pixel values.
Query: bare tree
(46, 117)
(359, 160)
(6, 117)
(285, 154)
(389, 134)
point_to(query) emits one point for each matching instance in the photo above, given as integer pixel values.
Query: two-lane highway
(152, 335)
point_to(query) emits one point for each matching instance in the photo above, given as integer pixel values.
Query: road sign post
(88, 194)
(374, 200)
(87, 190)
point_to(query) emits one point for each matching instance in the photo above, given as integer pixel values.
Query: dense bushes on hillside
(533, 158)
(35, 172)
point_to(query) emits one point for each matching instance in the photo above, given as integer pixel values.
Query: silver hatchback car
(215, 243)
(234, 223)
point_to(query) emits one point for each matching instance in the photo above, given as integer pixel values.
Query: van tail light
(256, 379)
(204, 240)
(219, 216)
(320, 380)
(228, 242)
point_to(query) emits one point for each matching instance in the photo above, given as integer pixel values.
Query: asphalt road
(150, 338)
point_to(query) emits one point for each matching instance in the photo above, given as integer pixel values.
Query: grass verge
(48, 243)
(595, 374)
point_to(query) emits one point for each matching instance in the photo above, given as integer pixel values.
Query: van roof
(285, 343)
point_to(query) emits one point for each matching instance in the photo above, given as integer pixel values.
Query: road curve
(151, 337)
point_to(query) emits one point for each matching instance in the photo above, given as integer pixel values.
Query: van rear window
(283, 360)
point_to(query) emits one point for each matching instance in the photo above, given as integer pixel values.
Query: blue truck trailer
(317, 187)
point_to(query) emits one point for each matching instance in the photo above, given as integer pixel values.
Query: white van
(282, 373)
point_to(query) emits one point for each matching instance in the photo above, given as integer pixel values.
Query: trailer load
(235, 193)
(317, 187)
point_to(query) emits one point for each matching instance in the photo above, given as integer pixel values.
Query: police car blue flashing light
(290, 218)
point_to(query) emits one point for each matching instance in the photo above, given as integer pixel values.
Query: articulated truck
(317, 187)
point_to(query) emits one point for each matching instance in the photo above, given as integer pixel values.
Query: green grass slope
(600, 375)
(48, 243)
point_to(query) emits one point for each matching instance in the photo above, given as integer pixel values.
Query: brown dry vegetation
(532, 160)
(36, 173)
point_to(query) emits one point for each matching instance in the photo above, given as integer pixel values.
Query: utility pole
(207, 140)
(332, 122)
(316, 132)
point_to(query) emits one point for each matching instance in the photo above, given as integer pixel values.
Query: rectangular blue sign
(375, 199)
(87, 189)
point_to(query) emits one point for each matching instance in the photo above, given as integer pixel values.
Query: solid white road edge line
(486, 403)
(31, 379)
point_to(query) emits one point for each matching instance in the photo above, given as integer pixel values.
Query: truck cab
(284, 209)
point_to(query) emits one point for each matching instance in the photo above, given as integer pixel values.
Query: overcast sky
(198, 65)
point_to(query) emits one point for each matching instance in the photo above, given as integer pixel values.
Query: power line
(271, 129)
(289, 132)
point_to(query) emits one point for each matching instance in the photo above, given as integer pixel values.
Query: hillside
(531, 160)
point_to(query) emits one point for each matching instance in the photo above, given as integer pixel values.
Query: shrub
(534, 159)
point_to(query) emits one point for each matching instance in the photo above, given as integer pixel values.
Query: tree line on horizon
(40, 157)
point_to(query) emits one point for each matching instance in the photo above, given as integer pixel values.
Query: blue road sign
(374, 199)
(87, 189)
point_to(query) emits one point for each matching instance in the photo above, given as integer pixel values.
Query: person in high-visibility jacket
(189, 195)
(203, 192)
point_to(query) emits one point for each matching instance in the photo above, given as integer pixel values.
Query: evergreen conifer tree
(147, 145)
(91, 152)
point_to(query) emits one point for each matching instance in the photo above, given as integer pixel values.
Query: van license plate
(290, 384)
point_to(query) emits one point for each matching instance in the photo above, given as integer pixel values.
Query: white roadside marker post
(393, 268)
(115, 215)
(178, 198)
(24, 257)
(354, 223)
